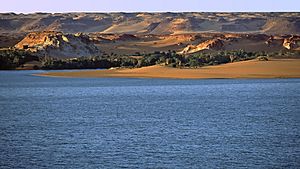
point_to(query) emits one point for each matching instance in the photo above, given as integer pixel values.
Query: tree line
(11, 59)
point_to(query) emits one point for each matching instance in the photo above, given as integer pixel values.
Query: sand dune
(274, 68)
(151, 23)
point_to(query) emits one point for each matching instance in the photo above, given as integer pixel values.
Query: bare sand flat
(274, 68)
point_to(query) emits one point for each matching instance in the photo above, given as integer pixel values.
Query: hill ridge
(152, 23)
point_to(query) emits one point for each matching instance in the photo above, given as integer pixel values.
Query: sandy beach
(274, 68)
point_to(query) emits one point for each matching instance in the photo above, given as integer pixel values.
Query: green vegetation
(77, 63)
(11, 59)
(196, 60)
(170, 58)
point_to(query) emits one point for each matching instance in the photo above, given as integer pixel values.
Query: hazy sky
(29, 6)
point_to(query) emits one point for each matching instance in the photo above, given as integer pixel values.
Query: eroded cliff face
(247, 42)
(57, 44)
(209, 44)
(292, 43)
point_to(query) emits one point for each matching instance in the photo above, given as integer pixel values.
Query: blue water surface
(148, 123)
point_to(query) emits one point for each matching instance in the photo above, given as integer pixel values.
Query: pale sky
(30, 6)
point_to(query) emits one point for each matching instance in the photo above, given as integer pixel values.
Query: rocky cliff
(209, 44)
(292, 43)
(57, 44)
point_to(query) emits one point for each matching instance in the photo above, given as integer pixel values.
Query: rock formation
(57, 44)
(209, 44)
(292, 43)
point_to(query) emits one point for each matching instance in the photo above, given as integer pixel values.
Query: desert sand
(274, 68)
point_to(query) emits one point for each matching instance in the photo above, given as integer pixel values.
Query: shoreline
(251, 69)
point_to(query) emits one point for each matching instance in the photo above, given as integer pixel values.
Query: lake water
(148, 123)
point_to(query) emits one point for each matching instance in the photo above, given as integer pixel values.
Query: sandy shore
(274, 68)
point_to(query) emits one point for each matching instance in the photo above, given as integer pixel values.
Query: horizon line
(48, 12)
